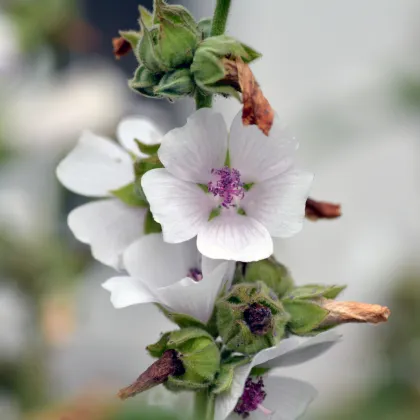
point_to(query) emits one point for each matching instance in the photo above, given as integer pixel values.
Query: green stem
(221, 13)
(204, 405)
(220, 17)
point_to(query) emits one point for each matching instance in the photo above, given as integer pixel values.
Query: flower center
(258, 318)
(227, 185)
(252, 399)
(195, 274)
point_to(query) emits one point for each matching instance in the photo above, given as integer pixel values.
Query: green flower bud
(275, 275)
(251, 318)
(307, 316)
(208, 66)
(144, 82)
(148, 50)
(198, 354)
(175, 84)
(176, 44)
(176, 14)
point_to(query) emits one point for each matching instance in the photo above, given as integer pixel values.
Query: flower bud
(198, 354)
(208, 66)
(175, 84)
(275, 275)
(176, 14)
(251, 318)
(144, 82)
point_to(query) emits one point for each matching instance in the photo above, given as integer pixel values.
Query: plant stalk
(204, 405)
(220, 17)
(221, 13)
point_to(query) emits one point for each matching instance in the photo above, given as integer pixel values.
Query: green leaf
(142, 166)
(176, 84)
(132, 37)
(176, 44)
(148, 149)
(157, 349)
(144, 82)
(224, 379)
(146, 17)
(275, 275)
(184, 321)
(147, 51)
(127, 195)
(314, 291)
(304, 316)
(150, 224)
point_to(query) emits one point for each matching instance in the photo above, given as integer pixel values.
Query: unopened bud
(168, 365)
(175, 84)
(250, 318)
(198, 354)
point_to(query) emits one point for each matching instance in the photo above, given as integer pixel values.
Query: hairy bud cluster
(177, 55)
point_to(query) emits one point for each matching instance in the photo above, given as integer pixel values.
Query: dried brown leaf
(321, 210)
(121, 47)
(256, 108)
(345, 312)
(156, 374)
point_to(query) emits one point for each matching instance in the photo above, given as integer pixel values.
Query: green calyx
(275, 275)
(251, 318)
(306, 314)
(198, 353)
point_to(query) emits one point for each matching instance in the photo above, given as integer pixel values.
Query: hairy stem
(221, 13)
(204, 405)
(220, 17)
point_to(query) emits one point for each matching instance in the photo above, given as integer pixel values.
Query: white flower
(174, 275)
(95, 167)
(261, 182)
(274, 397)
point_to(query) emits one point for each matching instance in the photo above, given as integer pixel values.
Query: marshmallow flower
(94, 168)
(234, 191)
(173, 275)
(273, 397)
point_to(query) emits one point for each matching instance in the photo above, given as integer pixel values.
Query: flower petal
(127, 291)
(158, 263)
(288, 352)
(192, 151)
(232, 236)
(195, 298)
(257, 156)
(109, 226)
(209, 264)
(290, 355)
(279, 203)
(181, 207)
(137, 128)
(95, 167)
(288, 398)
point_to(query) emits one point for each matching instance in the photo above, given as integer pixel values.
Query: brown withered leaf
(121, 47)
(315, 210)
(350, 312)
(156, 374)
(256, 108)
